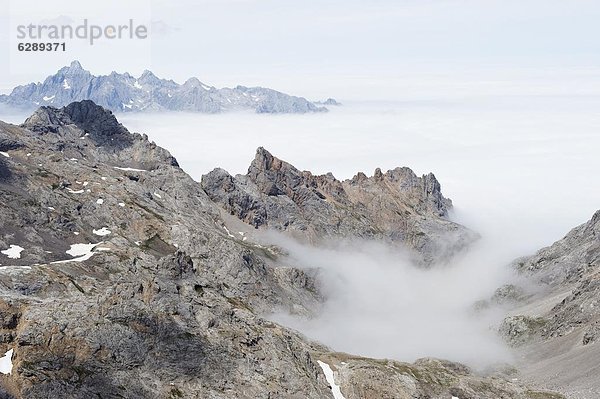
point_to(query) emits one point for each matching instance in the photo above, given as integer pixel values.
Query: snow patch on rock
(130, 169)
(80, 252)
(6, 362)
(335, 389)
(13, 252)
(75, 191)
(102, 232)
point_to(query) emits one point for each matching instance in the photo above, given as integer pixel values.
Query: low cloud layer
(380, 305)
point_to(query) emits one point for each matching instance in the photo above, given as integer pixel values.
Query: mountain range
(122, 277)
(124, 93)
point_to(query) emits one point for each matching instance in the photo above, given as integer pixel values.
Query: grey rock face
(96, 122)
(556, 327)
(123, 93)
(426, 378)
(397, 206)
(592, 333)
(167, 303)
(568, 259)
(571, 264)
(520, 330)
(508, 294)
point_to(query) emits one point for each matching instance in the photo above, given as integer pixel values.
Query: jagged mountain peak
(265, 161)
(397, 205)
(62, 193)
(147, 73)
(147, 77)
(75, 65)
(85, 114)
(272, 172)
(94, 118)
(192, 82)
(558, 321)
(568, 259)
(74, 68)
(84, 127)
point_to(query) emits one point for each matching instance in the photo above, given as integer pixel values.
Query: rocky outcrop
(571, 266)
(124, 93)
(96, 122)
(396, 206)
(556, 327)
(569, 259)
(520, 330)
(426, 378)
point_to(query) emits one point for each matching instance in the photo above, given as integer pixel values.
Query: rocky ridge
(556, 327)
(397, 206)
(125, 93)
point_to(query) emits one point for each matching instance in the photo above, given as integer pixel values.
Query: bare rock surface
(426, 378)
(556, 329)
(165, 305)
(397, 206)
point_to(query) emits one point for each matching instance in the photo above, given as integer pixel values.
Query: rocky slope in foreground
(558, 329)
(120, 279)
(124, 93)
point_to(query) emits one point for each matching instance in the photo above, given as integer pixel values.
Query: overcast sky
(349, 48)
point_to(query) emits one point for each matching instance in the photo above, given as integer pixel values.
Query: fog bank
(380, 305)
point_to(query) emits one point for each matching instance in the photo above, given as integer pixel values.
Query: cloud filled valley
(378, 304)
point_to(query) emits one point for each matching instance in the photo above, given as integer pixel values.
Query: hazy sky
(343, 48)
